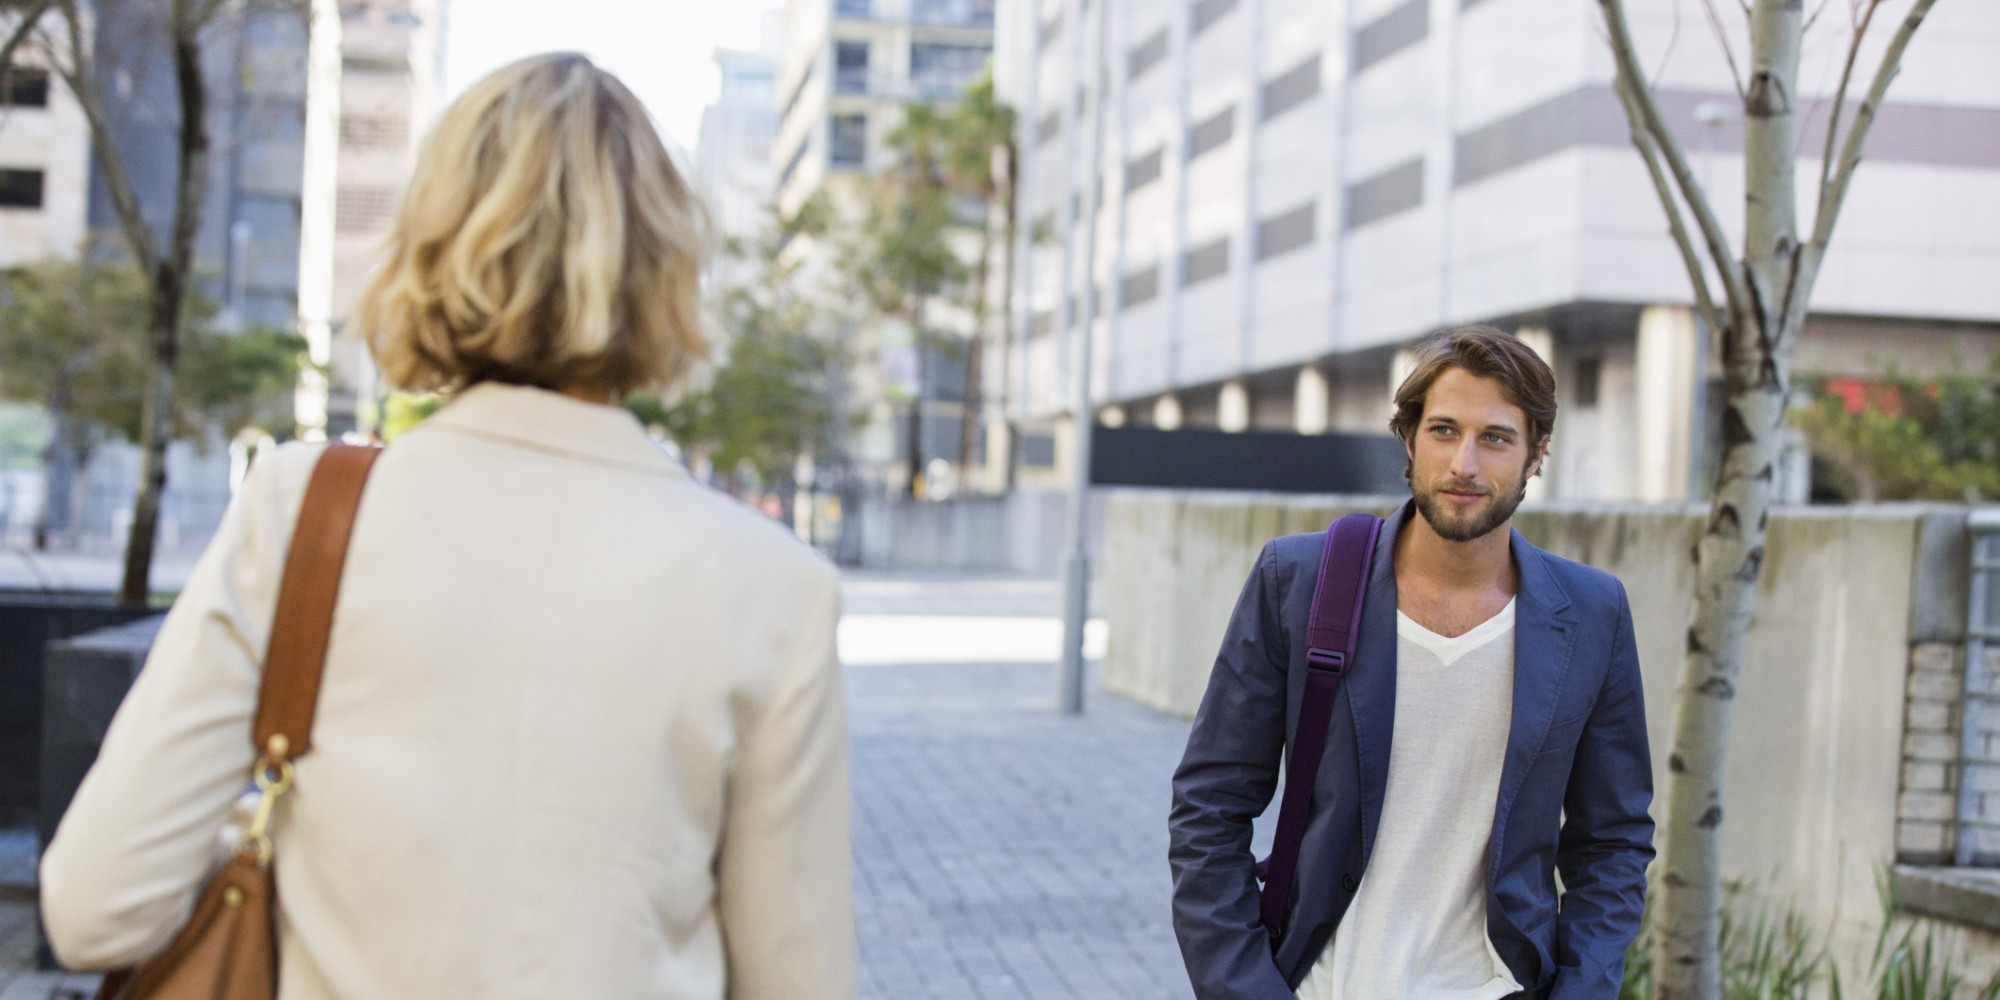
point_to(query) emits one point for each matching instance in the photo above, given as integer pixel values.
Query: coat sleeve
(1607, 835)
(122, 872)
(785, 872)
(1224, 781)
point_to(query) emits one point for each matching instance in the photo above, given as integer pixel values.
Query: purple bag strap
(1331, 633)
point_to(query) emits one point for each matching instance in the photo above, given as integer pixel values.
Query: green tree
(1910, 439)
(769, 399)
(981, 162)
(74, 339)
(58, 33)
(908, 259)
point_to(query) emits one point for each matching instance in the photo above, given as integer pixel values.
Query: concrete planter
(29, 620)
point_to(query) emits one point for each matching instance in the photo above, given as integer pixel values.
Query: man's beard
(1464, 527)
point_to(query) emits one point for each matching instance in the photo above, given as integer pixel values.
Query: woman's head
(546, 239)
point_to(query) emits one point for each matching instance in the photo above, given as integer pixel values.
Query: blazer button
(1347, 881)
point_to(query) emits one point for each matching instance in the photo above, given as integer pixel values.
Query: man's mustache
(1462, 487)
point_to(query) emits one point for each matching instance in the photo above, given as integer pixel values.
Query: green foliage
(1784, 959)
(73, 338)
(1913, 439)
(769, 400)
(402, 411)
(910, 221)
(24, 433)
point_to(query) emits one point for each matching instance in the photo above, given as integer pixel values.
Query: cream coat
(582, 733)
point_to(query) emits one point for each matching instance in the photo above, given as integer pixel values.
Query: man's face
(1470, 458)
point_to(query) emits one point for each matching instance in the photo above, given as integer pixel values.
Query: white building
(44, 165)
(848, 69)
(1296, 190)
(733, 155)
(375, 87)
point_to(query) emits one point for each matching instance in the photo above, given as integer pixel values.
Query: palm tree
(982, 162)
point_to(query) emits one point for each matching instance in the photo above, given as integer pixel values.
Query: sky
(663, 49)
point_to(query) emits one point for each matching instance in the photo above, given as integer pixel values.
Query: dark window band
(1391, 33)
(1286, 231)
(1210, 260)
(1397, 189)
(1292, 88)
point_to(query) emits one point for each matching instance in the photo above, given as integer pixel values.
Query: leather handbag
(1332, 632)
(228, 949)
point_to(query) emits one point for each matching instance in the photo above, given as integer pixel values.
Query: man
(1490, 735)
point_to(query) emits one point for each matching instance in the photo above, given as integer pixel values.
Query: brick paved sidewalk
(1003, 851)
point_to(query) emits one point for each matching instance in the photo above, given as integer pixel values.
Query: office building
(1294, 191)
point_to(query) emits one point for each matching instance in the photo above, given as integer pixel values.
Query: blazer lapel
(1371, 685)
(1544, 634)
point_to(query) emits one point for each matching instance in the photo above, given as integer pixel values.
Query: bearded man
(1489, 737)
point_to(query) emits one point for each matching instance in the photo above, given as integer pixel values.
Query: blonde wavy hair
(546, 239)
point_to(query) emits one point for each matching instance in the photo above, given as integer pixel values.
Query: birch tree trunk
(1762, 308)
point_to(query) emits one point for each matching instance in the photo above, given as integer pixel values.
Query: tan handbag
(229, 948)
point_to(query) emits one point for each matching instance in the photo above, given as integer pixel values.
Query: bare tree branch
(1690, 257)
(1654, 123)
(194, 142)
(117, 181)
(1840, 94)
(29, 19)
(1728, 51)
(1833, 190)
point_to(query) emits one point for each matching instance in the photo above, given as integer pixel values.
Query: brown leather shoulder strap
(306, 596)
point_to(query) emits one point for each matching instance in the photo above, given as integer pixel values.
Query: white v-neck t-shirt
(1416, 929)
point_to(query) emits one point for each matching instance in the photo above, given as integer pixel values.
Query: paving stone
(1011, 851)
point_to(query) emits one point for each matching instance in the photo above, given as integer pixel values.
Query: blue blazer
(1572, 798)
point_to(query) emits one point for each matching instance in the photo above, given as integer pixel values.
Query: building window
(851, 8)
(1391, 33)
(1142, 171)
(363, 209)
(1207, 12)
(20, 189)
(1397, 189)
(849, 146)
(953, 13)
(1589, 372)
(1210, 260)
(1212, 132)
(1050, 126)
(1038, 451)
(1150, 53)
(374, 131)
(1292, 88)
(850, 67)
(1286, 231)
(1042, 323)
(1051, 29)
(25, 88)
(1139, 287)
(939, 71)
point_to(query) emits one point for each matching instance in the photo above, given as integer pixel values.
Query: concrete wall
(1817, 750)
(1021, 532)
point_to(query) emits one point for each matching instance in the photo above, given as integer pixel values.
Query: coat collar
(552, 422)
(1543, 635)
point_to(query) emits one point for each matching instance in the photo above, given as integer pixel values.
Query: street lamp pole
(1076, 570)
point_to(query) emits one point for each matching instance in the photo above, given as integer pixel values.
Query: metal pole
(1076, 570)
